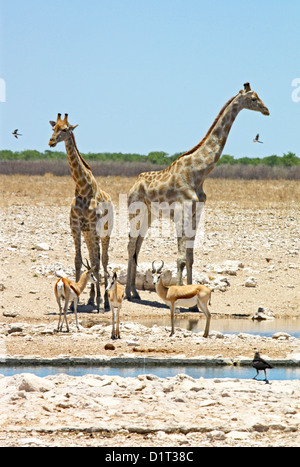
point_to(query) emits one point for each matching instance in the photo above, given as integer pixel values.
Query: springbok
(70, 291)
(115, 297)
(182, 295)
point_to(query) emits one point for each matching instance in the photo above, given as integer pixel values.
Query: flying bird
(256, 140)
(16, 134)
(260, 365)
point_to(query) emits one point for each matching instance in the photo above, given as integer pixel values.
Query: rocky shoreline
(180, 411)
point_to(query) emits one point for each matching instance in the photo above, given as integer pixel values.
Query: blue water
(234, 325)
(279, 373)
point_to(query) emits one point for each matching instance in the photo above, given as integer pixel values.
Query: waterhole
(162, 371)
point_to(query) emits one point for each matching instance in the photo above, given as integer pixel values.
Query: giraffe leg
(130, 290)
(192, 214)
(104, 258)
(92, 242)
(134, 246)
(95, 261)
(97, 275)
(181, 241)
(104, 227)
(139, 242)
(181, 258)
(76, 233)
(190, 261)
(131, 251)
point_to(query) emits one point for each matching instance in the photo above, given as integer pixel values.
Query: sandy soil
(255, 223)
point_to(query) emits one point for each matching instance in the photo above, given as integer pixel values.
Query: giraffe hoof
(136, 296)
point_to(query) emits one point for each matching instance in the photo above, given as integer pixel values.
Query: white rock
(242, 435)
(216, 434)
(263, 314)
(295, 357)
(42, 247)
(251, 282)
(216, 334)
(207, 403)
(30, 441)
(32, 383)
(281, 335)
(244, 335)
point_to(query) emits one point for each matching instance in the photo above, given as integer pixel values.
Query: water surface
(233, 325)
(280, 373)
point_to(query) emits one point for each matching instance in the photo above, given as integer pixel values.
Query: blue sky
(147, 75)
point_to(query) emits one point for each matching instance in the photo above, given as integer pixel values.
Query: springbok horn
(162, 265)
(87, 265)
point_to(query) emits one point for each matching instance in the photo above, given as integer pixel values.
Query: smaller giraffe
(91, 210)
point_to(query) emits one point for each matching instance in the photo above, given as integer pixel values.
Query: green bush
(160, 158)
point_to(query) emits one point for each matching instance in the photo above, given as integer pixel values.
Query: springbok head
(111, 281)
(156, 272)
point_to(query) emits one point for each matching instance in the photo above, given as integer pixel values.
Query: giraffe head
(250, 100)
(61, 130)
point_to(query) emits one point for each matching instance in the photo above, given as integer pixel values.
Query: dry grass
(50, 190)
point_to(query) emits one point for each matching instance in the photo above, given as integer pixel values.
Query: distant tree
(226, 159)
(271, 160)
(290, 159)
(157, 157)
(175, 156)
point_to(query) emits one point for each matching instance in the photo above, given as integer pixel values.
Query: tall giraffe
(181, 185)
(91, 209)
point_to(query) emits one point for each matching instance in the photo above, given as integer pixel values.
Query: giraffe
(91, 209)
(181, 185)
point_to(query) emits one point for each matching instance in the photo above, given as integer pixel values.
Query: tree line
(160, 158)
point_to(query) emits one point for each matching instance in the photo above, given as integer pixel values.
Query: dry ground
(254, 222)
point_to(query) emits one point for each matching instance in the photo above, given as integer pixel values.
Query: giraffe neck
(80, 170)
(207, 153)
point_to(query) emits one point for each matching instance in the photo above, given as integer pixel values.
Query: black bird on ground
(260, 365)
